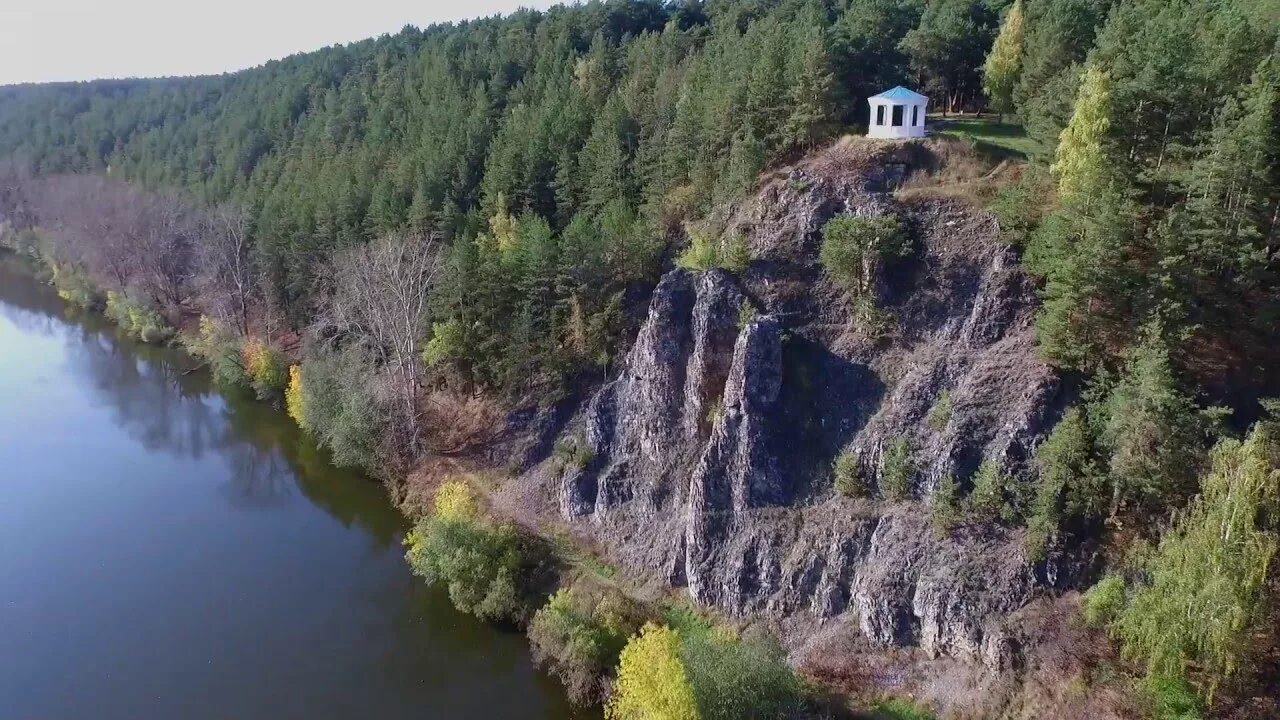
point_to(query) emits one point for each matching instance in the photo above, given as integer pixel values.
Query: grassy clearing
(1003, 140)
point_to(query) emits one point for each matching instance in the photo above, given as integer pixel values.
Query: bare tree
(377, 296)
(92, 222)
(165, 243)
(16, 212)
(225, 262)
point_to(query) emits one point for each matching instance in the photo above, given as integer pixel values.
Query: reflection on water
(170, 551)
(162, 400)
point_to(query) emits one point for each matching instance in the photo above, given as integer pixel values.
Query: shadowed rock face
(712, 450)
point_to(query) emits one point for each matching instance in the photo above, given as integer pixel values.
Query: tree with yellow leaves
(1003, 67)
(1080, 163)
(652, 682)
(293, 397)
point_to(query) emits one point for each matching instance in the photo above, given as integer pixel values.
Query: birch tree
(378, 297)
(226, 264)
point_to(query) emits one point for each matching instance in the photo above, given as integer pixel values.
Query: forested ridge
(448, 223)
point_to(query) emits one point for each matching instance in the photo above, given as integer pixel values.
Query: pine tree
(1233, 187)
(1004, 63)
(1058, 36)
(1088, 298)
(1070, 489)
(767, 92)
(812, 85)
(742, 166)
(1151, 429)
(604, 161)
(947, 47)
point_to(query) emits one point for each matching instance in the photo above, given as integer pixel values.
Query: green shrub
(901, 709)
(848, 475)
(986, 502)
(267, 368)
(734, 678)
(705, 252)
(702, 254)
(75, 287)
(573, 453)
(447, 343)
(219, 346)
(685, 620)
(338, 402)
(1172, 698)
(136, 318)
(579, 634)
(944, 505)
(736, 255)
(678, 206)
(295, 397)
(897, 470)
(746, 313)
(1103, 602)
(853, 248)
(715, 410)
(483, 566)
(940, 413)
(1019, 206)
(874, 321)
(716, 675)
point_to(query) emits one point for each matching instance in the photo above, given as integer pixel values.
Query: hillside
(984, 423)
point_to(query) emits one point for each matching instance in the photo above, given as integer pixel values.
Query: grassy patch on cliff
(1000, 139)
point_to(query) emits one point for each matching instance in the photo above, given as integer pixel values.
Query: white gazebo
(897, 113)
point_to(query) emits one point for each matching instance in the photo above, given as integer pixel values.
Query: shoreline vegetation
(610, 647)
(404, 240)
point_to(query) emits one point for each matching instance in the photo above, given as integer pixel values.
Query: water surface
(170, 552)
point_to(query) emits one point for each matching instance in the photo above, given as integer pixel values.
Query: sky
(48, 40)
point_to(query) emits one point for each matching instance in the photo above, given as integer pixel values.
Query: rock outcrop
(711, 452)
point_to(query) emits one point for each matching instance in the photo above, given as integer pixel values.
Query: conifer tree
(1233, 188)
(1151, 429)
(812, 85)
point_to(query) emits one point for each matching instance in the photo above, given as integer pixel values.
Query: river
(168, 551)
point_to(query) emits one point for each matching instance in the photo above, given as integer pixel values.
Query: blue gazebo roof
(900, 94)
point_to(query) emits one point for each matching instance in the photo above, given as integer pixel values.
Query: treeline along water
(167, 551)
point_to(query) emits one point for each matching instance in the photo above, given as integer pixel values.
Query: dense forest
(485, 206)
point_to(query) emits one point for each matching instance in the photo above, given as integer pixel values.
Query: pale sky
(45, 40)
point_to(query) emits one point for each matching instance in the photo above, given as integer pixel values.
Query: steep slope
(710, 453)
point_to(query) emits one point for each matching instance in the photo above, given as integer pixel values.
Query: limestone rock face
(711, 451)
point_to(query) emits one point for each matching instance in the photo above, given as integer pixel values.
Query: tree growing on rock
(855, 248)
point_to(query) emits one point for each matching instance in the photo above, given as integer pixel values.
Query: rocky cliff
(710, 454)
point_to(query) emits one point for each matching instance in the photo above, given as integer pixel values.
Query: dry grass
(460, 422)
(1067, 672)
(959, 169)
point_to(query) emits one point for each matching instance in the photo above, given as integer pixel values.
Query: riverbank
(565, 596)
(171, 550)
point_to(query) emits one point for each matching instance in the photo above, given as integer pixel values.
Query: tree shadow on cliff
(825, 400)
